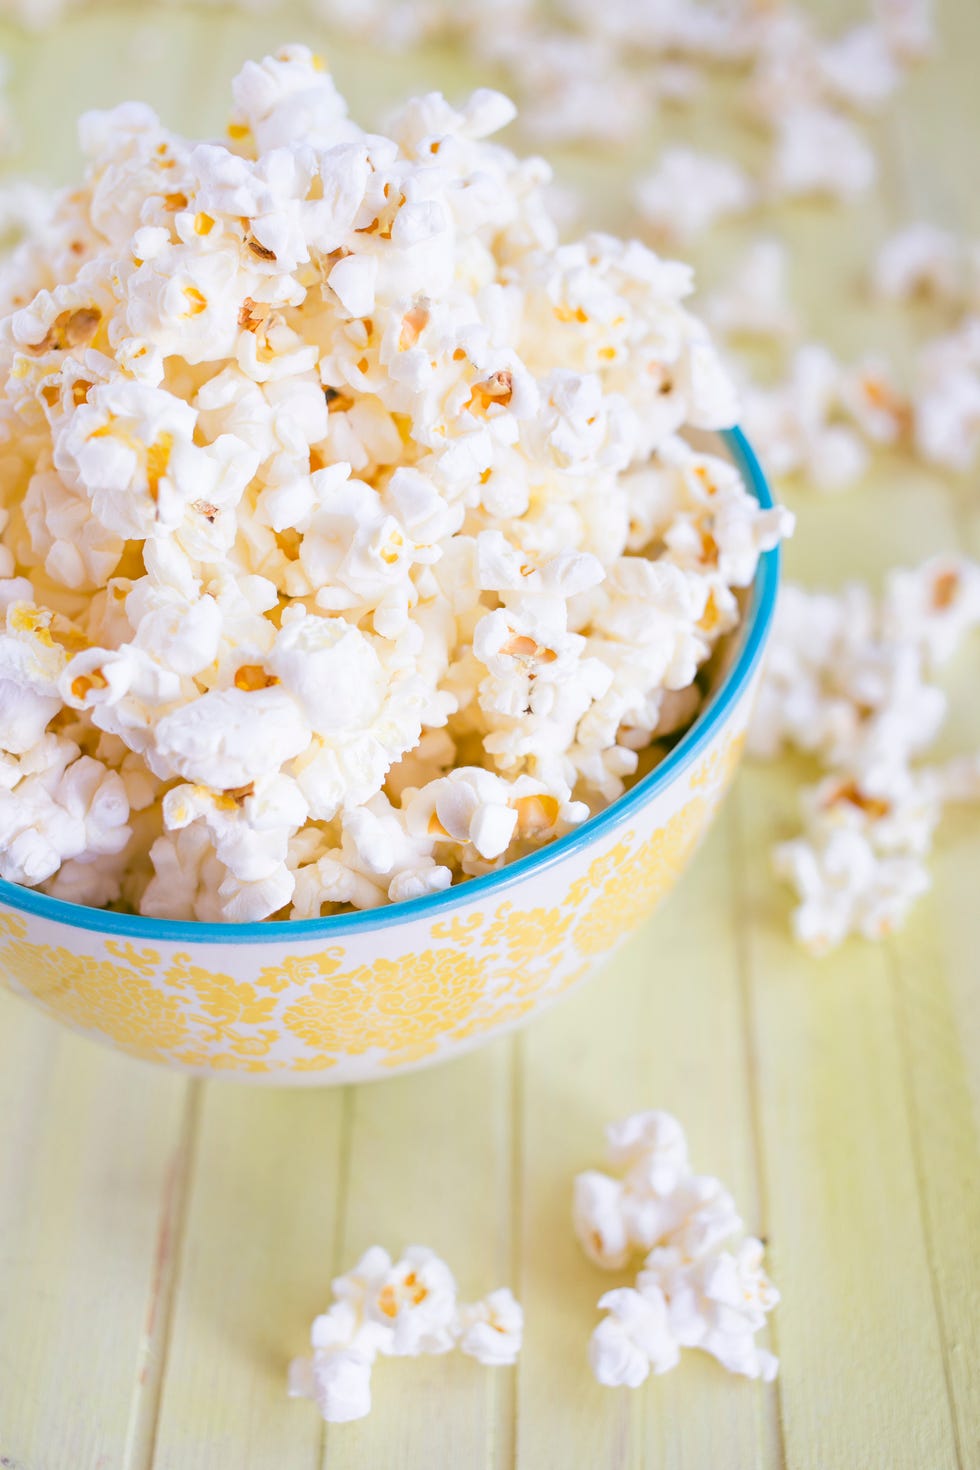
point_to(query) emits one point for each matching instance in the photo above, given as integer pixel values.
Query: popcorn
(492, 1330)
(947, 399)
(860, 68)
(717, 1303)
(349, 518)
(632, 1338)
(908, 26)
(819, 152)
(846, 681)
(338, 1381)
(399, 1309)
(57, 805)
(754, 301)
(691, 1292)
(920, 260)
(934, 606)
(794, 425)
(690, 191)
(857, 868)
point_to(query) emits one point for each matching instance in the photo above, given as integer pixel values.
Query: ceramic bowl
(359, 996)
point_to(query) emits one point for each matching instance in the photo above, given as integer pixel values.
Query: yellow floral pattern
(345, 1010)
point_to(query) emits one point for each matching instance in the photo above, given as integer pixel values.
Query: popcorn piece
(599, 1218)
(57, 805)
(691, 1292)
(920, 260)
(755, 300)
(492, 1330)
(819, 152)
(870, 396)
(857, 868)
(398, 1309)
(793, 427)
(947, 399)
(690, 191)
(717, 1303)
(338, 1381)
(31, 663)
(652, 1147)
(413, 1302)
(933, 606)
(634, 1337)
(908, 26)
(860, 68)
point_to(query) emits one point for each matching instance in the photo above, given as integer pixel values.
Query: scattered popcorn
(349, 528)
(920, 260)
(754, 301)
(398, 1309)
(947, 399)
(797, 426)
(820, 152)
(847, 682)
(860, 68)
(689, 192)
(691, 1292)
(909, 26)
(25, 208)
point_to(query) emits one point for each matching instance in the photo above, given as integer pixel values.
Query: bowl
(354, 997)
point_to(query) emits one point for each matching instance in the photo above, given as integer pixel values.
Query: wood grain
(163, 1248)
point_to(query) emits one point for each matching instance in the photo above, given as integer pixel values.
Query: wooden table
(164, 1244)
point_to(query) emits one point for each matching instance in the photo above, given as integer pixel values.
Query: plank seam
(507, 1384)
(141, 1436)
(344, 1148)
(742, 968)
(918, 1165)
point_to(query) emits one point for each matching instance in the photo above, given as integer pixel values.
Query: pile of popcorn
(850, 682)
(348, 541)
(692, 1291)
(397, 1309)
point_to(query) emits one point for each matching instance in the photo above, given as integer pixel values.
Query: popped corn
(400, 1308)
(350, 545)
(849, 681)
(798, 425)
(691, 1292)
(919, 260)
(819, 151)
(689, 192)
(754, 300)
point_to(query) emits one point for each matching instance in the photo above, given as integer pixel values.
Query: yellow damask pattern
(307, 1013)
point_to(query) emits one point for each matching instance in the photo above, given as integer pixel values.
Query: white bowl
(357, 996)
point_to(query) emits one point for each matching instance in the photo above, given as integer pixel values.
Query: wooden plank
(859, 1072)
(662, 1028)
(947, 1158)
(94, 1150)
(255, 1267)
(431, 1164)
(861, 1343)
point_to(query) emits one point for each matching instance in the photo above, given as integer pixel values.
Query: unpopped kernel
(350, 544)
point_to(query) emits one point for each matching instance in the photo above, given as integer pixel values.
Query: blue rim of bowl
(185, 931)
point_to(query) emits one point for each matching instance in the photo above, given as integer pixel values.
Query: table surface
(164, 1244)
